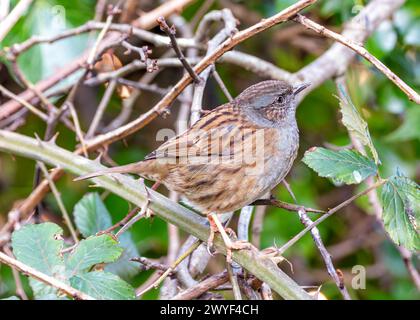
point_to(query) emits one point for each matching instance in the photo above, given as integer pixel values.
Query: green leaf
(410, 128)
(11, 298)
(401, 211)
(124, 267)
(355, 124)
(47, 18)
(93, 250)
(39, 246)
(103, 285)
(91, 215)
(342, 166)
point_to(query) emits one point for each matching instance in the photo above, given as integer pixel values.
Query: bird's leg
(230, 245)
(213, 230)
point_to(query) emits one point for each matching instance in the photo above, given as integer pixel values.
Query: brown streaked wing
(219, 133)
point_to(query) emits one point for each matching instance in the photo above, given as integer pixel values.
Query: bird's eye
(280, 99)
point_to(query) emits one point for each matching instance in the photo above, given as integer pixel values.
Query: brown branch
(171, 32)
(18, 11)
(203, 286)
(328, 214)
(324, 253)
(29, 271)
(148, 20)
(283, 205)
(308, 23)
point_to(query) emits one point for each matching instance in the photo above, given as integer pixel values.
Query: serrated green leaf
(103, 285)
(345, 166)
(355, 124)
(93, 250)
(39, 246)
(124, 267)
(401, 211)
(91, 215)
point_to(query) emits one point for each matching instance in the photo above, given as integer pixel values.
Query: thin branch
(306, 221)
(221, 84)
(18, 282)
(92, 54)
(26, 104)
(148, 20)
(325, 254)
(60, 203)
(284, 205)
(308, 23)
(101, 109)
(328, 214)
(203, 287)
(234, 282)
(171, 268)
(31, 272)
(147, 264)
(171, 32)
(18, 11)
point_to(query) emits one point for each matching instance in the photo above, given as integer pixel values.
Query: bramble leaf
(401, 211)
(103, 285)
(355, 124)
(93, 250)
(345, 166)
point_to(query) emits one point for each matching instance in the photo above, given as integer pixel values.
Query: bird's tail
(129, 168)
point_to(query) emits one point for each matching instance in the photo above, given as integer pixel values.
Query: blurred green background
(352, 236)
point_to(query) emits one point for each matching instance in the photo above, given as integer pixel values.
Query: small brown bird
(231, 157)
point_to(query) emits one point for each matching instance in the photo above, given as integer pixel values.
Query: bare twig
(60, 203)
(29, 271)
(18, 11)
(166, 9)
(171, 268)
(234, 282)
(92, 54)
(412, 95)
(171, 32)
(325, 254)
(101, 109)
(306, 221)
(16, 276)
(284, 205)
(203, 287)
(147, 264)
(221, 84)
(328, 214)
(26, 104)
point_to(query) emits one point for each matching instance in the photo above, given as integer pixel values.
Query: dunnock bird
(231, 157)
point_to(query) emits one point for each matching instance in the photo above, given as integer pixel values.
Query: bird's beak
(300, 87)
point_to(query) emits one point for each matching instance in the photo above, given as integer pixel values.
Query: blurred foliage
(392, 119)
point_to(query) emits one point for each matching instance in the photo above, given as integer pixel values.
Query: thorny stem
(127, 188)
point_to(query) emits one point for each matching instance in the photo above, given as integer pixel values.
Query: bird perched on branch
(231, 157)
